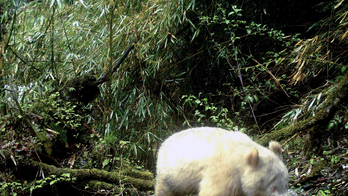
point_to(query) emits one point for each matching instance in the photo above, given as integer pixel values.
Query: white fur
(216, 162)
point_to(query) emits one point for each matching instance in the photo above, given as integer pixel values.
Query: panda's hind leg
(163, 188)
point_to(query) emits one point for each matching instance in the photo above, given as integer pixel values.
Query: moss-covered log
(142, 181)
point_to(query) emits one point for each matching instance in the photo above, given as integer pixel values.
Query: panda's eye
(274, 189)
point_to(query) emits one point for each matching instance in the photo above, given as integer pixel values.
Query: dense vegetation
(76, 118)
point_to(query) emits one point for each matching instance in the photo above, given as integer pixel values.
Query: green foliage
(324, 193)
(60, 40)
(50, 107)
(231, 69)
(15, 188)
(226, 31)
(211, 114)
(333, 159)
(50, 118)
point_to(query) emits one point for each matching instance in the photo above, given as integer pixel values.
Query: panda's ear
(252, 157)
(276, 148)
